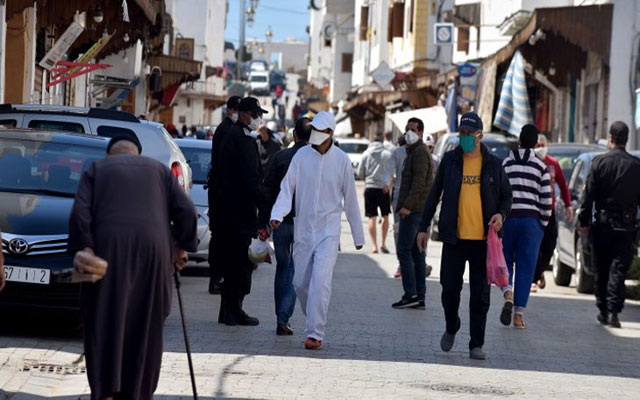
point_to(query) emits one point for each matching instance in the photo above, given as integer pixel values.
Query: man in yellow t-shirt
(476, 196)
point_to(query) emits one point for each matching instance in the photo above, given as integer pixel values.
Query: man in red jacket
(550, 238)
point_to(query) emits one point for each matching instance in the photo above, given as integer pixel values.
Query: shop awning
(588, 27)
(175, 70)
(434, 118)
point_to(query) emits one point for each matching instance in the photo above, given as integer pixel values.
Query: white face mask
(541, 152)
(411, 137)
(234, 117)
(254, 134)
(255, 123)
(317, 137)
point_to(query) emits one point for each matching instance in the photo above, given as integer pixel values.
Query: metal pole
(241, 41)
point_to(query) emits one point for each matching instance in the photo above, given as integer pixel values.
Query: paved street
(370, 350)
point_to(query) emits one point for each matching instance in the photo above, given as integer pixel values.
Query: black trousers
(547, 247)
(454, 258)
(216, 252)
(613, 251)
(236, 270)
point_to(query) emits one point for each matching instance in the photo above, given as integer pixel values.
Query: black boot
(614, 322)
(603, 318)
(243, 318)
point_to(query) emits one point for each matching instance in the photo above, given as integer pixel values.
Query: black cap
(251, 104)
(528, 136)
(128, 138)
(234, 102)
(470, 122)
(619, 131)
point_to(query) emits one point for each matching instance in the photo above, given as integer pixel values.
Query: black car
(498, 144)
(567, 154)
(277, 78)
(39, 174)
(573, 253)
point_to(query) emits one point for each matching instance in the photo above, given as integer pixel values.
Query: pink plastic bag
(497, 272)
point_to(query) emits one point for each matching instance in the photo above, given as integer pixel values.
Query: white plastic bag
(259, 250)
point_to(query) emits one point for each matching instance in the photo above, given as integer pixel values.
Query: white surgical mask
(411, 137)
(541, 152)
(234, 117)
(317, 137)
(255, 123)
(254, 134)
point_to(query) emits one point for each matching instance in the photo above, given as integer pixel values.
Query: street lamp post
(241, 44)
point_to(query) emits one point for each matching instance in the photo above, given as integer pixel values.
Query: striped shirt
(531, 185)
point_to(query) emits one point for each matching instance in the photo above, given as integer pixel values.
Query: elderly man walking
(130, 211)
(321, 178)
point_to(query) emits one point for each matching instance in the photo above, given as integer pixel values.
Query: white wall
(320, 57)
(624, 37)
(293, 53)
(342, 43)
(369, 54)
(192, 109)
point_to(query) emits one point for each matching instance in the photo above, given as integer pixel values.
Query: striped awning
(513, 108)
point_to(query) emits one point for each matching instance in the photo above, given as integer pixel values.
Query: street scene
(325, 199)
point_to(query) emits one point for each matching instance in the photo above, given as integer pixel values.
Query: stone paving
(370, 350)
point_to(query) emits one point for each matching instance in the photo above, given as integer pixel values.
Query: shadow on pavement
(563, 336)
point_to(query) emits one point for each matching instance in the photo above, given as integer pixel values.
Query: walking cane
(176, 276)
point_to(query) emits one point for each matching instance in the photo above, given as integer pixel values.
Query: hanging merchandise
(514, 110)
(451, 106)
(125, 11)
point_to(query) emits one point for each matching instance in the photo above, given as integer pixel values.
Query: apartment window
(327, 43)
(463, 39)
(397, 20)
(347, 62)
(390, 25)
(364, 22)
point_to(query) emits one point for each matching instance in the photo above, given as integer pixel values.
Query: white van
(259, 83)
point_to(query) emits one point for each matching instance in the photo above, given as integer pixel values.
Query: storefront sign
(60, 48)
(467, 70)
(443, 33)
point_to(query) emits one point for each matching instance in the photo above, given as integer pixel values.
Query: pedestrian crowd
(131, 214)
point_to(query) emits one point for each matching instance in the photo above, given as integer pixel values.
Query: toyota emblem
(18, 246)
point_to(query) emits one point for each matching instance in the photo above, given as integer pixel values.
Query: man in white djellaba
(321, 179)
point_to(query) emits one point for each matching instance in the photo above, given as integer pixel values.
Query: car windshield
(200, 162)
(44, 167)
(354, 148)
(258, 78)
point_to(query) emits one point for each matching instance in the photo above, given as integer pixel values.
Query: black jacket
(240, 186)
(495, 192)
(275, 173)
(267, 150)
(613, 185)
(213, 179)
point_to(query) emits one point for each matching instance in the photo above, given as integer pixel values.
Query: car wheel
(584, 281)
(561, 272)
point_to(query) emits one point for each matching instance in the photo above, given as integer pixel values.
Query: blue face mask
(468, 143)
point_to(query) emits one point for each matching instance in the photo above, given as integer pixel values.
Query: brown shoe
(518, 321)
(542, 282)
(312, 344)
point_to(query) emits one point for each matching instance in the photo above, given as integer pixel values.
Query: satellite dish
(316, 4)
(329, 30)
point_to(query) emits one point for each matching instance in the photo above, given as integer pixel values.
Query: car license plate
(27, 275)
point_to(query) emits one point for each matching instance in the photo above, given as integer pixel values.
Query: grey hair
(542, 137)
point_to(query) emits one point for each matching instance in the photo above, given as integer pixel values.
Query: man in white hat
(321, 178)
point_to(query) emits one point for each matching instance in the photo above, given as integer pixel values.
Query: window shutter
(347, 62)
(364, 22)
(398, 20)
(411, 11)
(463, 40)
(390, 25)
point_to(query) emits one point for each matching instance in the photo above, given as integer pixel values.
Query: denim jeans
(412, 260)
(521, 245)
(284, 294)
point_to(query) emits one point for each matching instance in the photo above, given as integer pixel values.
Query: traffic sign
(383, 75)
(443, 33)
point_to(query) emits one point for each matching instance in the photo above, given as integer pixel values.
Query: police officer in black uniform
(214, 192)
(613, 184)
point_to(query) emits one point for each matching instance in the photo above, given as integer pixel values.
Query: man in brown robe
(130, 211)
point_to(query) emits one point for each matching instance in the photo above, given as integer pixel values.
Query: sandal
(384, 250)
(518, 321)
(507, 310)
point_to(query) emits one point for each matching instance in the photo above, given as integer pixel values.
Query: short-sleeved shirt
(470, 221)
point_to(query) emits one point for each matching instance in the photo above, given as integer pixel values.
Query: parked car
(354, 149)
(259, 83)
(499, 144)
(39, 174)
(567, 154)
(155, 140)
(573, 253)
(198, 155)
(258, 65)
